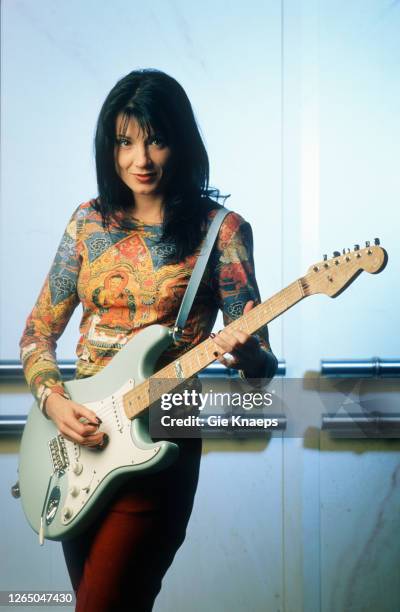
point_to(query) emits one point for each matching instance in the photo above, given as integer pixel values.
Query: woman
(127, 257)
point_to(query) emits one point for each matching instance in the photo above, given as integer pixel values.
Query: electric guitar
(63, 484)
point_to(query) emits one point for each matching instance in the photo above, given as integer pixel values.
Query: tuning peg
(325, 257)
(356, 247)
(377, 241)
(367, 243)
(336, 253)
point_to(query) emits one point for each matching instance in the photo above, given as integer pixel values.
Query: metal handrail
(12, 425)
(348, 368)
(358, 425)
(11, 370)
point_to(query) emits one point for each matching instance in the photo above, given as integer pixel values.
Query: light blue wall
(298, 104)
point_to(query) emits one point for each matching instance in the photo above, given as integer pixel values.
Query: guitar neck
(198, 358)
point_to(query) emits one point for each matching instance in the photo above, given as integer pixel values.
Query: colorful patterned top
(124, 284)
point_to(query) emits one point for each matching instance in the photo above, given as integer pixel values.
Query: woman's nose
(141, 157)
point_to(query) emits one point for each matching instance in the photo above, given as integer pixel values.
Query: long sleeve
(235, 282)
(49, 317)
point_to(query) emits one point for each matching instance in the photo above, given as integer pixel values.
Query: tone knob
(67, 512)
(74, 491)
(77, 469)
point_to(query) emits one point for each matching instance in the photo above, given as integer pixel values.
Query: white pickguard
(88, 468)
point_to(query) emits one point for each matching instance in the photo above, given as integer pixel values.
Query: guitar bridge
(58, 454)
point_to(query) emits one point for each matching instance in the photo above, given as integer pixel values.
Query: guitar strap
(197, 273)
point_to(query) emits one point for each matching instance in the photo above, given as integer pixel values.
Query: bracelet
(45, 395)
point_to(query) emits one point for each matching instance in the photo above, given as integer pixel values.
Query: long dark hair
(159, 103)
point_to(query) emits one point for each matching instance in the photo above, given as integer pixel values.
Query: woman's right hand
(66, 415)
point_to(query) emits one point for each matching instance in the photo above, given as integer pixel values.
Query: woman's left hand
(246, 352)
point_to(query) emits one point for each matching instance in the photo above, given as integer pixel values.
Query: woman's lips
(145, 178)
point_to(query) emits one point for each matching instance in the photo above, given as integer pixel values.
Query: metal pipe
(11, 370)
(348, 368)
(12, 425)
(357, 425)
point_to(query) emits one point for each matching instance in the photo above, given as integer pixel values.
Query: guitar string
(280, 300)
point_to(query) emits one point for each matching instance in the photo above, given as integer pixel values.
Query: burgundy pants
(118, 564)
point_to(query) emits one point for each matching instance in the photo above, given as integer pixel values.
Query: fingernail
(103, 443)
(212, 335)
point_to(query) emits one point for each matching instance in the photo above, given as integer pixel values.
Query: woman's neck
(148, 209)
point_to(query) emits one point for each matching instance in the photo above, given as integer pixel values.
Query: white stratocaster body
(63, 485)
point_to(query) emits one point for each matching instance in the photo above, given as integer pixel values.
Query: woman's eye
(123, 142)
(158, 141)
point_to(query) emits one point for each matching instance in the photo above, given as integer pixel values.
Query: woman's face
(142, 161)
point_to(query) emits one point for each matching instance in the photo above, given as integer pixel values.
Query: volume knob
(74, 491)
(67, 512)
(77, 469)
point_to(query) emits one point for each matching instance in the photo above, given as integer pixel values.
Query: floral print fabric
(122, 278)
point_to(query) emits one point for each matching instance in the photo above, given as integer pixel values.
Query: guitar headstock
(332, 276)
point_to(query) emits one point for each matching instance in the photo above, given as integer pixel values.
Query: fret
(258, 316)
(205, 347)
(188, 363)
(136, 401)
(268, 303)
(130, 405)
